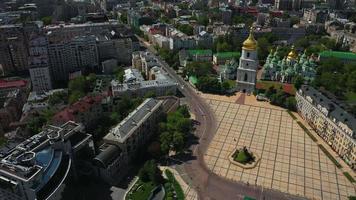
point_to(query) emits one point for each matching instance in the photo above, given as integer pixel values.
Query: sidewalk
(190, 193)
(345, 167)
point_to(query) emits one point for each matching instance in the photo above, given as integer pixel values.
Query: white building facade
(247, 70)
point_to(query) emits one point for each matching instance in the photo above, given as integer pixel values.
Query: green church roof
(338, 54)
(193, 80)
(199, 51)
(229, 54)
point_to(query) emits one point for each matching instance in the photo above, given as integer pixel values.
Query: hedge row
(330, 156)
(349, 177)
(291, 114)
(307, 131)
(174, 182)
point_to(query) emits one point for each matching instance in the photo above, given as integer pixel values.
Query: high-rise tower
(246, 72)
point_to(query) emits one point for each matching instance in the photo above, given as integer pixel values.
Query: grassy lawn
(351, 97)
(140, 191)
(349, 177)
(174, 183)
(242, 156)
(277, 85)
(2, 141)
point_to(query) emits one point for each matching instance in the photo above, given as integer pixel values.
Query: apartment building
(136, 86)
(332, 123)
(72, 55)
(85, 111)
(41, 166)
(39, 64)
(125, 140)
(13, 49)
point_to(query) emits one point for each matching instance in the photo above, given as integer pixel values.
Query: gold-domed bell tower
(247, 70)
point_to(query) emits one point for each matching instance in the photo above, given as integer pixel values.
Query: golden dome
(250, 43)
(292, 55)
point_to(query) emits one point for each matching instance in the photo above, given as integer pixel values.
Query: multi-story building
(41, 166)
(220, 58)
(13, 95)
(196, 55)
(287, 4)
(72, 55)
(332, 123)
(125, 140)
(13, 49)
(86, 111)
(39, 64)
(159, 84)
(247, 70)
(112, 46)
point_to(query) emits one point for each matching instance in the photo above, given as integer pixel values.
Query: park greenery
(279, 97)
(60, 97)
(80, 86)
(171, 57)
(40, 119)
(207, 80)
(121, 109)
(342, 76)
(46, 20)
(186, 29)
(150, 176)
(172, 187)
(150, 173)
(174, 131)
(243, 156)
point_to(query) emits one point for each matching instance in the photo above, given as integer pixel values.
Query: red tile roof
(82, 105)
(12, 84)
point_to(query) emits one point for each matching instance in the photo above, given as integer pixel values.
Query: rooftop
(127, 126)
(338, 54)
(199, 51)
(334, 110)
(36, 154)
(82, 105)
(12, 83)
(228, 54)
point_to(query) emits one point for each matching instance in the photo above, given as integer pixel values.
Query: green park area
(243, 156)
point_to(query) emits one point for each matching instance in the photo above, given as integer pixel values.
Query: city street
(208, 184)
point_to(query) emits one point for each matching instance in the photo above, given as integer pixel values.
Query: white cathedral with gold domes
(284, 70)
(247, 70)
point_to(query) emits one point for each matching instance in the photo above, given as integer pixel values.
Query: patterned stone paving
(290, 161)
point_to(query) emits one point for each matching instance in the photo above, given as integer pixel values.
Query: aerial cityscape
(177, 99)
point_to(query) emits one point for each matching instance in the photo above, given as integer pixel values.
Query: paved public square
(290, 161)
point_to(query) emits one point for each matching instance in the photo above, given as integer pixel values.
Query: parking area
(290, 161)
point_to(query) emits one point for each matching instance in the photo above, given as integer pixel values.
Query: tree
(223, 47)
(165, 140)
(291, 103)
(203, 20)
(298, 82)
(263, 48)
(47, 20)
(186, 28)
(151, 172)
(178, 141)
(199, 69)
(58, 97)
(184, 111)
(119, 73)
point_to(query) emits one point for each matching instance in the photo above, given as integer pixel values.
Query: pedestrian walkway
(345, 167)
(290, 161)
(189, 192)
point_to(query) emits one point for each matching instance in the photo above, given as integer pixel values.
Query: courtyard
(290, 161)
